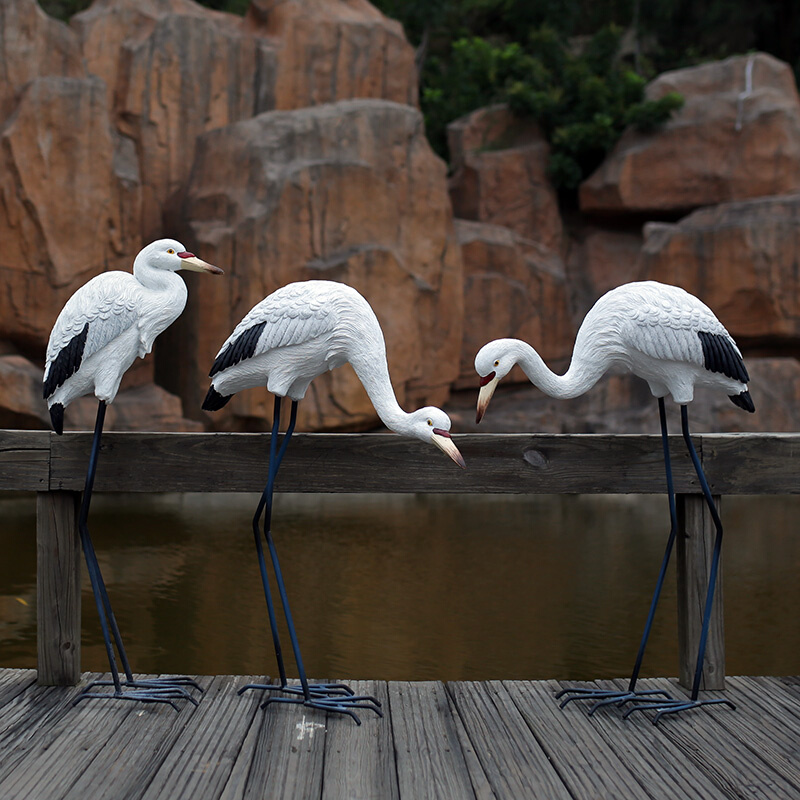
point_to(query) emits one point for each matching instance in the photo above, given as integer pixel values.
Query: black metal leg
(674, 706)
(619, 697)
(154, 690)
(329, 697)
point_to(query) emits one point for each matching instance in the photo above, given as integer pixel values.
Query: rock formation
(349, 191)
(287, 145)
(737, 136)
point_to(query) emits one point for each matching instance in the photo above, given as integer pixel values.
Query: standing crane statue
(675, 342)
(104, 326)
(295, 334)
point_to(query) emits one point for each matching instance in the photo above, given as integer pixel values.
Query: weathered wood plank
(201, 759)
(695, 545)
(635, 743)
(288, 752)
(64, 749)
(134, 752)
(14, 682)
(489, 740)
(579, 747)
(509, 754)
(58, 588)
(706, 742)
(24, 460)
(740, 463)
(766, 727)
(360, 765)
(752, 463)
(514, 463)
(430, 760)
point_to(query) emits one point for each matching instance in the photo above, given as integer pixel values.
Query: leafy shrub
(582, 101)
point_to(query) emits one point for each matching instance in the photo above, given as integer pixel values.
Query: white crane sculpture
(104, 326)
(295, 334)
(675, 342)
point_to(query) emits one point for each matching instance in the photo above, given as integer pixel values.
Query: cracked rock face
(737, 136)
(351, 192)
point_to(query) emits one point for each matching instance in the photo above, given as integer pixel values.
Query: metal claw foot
(143, 692)
(604, 697)
(675, 706)
(322, 690)
(341, 705)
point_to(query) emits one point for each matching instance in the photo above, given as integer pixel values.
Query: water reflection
(411, 587)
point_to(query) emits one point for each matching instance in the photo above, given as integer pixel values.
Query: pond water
(412, 586)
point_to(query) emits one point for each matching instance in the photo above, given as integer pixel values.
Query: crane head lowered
(169, 254)
(431, 424)
(493, 363)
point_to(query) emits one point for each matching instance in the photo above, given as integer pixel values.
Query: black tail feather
(743, 400)
(214, 400)
(57, 417)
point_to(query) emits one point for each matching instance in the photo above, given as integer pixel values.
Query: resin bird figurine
(295, 334)
(109, 322)
(673, 341)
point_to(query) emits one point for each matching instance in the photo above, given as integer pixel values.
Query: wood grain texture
(24, 460)
(361, 767)
(640, 747)
(203, 755)
(430, 761)
(510, 756)
(733, 764)
(496, 463)
(695, 545)
(491, 740)
(58, 588)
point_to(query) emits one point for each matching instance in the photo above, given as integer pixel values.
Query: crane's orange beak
(444, 442)
(488, 385)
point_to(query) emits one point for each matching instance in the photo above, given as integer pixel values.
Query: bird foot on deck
(675, 706)
(323, 690)
(155, 690)
(605, 697)
(341, 705)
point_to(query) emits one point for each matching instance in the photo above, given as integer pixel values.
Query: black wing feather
(66, 363)
(720, 355)
(243, 347)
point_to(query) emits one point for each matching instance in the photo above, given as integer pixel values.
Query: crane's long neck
(369, 363)
(582, 374)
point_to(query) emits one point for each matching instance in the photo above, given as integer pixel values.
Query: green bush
(582, 101)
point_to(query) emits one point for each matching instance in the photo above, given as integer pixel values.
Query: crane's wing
(95, 315)
(291, 315)
(684, 331)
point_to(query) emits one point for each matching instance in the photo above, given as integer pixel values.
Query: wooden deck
(496, 739)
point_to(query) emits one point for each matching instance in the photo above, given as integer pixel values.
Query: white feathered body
(308, 328)
(659, 332)
(305, 329)
(651, 329)
(124, 317)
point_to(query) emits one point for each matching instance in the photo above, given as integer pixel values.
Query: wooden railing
(55, 466)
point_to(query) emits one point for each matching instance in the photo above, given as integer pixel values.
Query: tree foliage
(582, 101)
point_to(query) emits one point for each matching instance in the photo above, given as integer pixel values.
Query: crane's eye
(430, 422)
(497, 363)
(171, 251)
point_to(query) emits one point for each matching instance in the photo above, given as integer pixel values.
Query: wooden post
(696, 534)
(58, 588)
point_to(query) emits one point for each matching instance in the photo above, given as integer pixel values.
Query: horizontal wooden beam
(25, 460)
(496, 463)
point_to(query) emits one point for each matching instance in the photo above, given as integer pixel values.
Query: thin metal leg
(155, 690)
(674, 706)
(329, 697)
(619, 697)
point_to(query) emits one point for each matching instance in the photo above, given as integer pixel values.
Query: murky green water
(411, 587)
